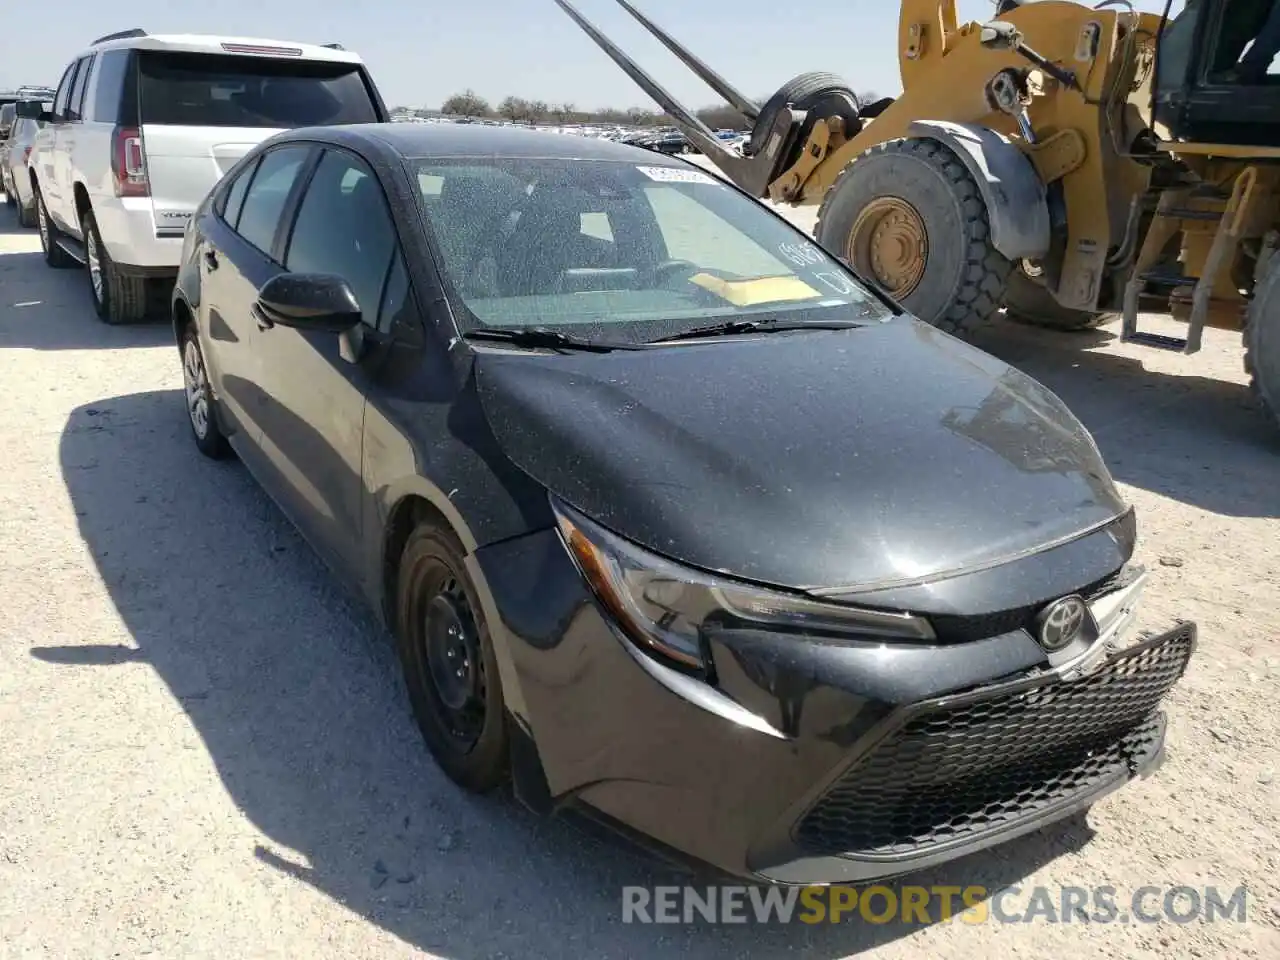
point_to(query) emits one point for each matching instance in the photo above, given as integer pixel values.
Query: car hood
(859, 458)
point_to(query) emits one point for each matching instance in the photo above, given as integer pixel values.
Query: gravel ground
(207, 751)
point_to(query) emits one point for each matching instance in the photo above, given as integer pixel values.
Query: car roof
(212, 43)
(458, 140)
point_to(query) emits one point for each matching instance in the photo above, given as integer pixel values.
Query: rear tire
(1262, 344)
(447, 655)
(117, 297)
(908, 215)
(202, 414)
(54, 255)
(1029, 303)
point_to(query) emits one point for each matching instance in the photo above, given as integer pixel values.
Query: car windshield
(618, 250)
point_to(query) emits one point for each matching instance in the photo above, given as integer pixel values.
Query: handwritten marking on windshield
(801, 254)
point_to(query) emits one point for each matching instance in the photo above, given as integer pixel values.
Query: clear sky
(420, 53)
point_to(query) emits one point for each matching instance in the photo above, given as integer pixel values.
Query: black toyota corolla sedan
(673, 520)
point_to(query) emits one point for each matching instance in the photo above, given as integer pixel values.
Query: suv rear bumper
(130, 235)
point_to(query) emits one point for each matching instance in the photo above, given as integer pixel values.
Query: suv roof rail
(120, 35)
(333, 46)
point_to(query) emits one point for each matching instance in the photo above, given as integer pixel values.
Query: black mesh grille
(962, 768)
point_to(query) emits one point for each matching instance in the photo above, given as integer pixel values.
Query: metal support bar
(1163, 227)
(1224, 243)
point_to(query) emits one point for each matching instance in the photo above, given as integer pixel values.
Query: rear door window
(267, 195)
(213, 90)
(228, 205)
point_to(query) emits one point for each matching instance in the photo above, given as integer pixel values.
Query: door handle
(211, 260)
(264, 322)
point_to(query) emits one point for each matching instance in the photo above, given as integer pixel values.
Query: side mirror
(31, 110)
(307, 301)
(998, 35)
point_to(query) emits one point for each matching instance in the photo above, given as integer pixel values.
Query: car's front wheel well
(405, 516)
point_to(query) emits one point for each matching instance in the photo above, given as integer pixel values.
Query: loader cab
(1204, 90)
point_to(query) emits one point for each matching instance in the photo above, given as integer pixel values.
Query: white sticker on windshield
(675, 175)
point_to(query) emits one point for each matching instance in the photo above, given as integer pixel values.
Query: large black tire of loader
(963, 282)
(1029, 302)
(804, 93)
(1262, 343)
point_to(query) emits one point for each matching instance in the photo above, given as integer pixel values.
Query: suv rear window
(209, 90)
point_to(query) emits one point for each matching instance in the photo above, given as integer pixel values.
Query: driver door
(312, 400)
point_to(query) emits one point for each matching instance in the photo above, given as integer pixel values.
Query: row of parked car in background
(667, 140)
(110, 164)
(600, 438)
(17, 137)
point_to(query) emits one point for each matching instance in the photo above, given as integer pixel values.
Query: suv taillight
(128, 165)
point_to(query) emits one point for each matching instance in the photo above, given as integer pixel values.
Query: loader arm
(752, 174)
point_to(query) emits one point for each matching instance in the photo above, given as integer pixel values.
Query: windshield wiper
(546, 337)
(732, 327)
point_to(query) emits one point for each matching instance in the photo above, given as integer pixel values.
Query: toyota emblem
(1062, 623)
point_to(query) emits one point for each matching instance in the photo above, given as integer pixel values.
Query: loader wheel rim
(888, 242)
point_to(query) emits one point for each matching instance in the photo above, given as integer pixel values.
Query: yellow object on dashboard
(749, 293)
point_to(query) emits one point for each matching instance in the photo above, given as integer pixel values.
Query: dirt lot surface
(207, 752)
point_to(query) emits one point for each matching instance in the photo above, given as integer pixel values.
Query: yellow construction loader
(1068, 162)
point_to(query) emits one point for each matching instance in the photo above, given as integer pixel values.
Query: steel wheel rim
(889, 243)
(95, 264)
(453, 661)
(197, 387)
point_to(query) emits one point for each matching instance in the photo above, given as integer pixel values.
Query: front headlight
(669, 609)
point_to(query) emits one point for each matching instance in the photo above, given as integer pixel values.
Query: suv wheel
(54, 255)
(117, 297)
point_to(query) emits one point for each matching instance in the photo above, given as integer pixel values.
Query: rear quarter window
(115, 92)
(210, 90)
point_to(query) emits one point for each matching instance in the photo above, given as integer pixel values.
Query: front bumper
(944, 778)
(807, 763)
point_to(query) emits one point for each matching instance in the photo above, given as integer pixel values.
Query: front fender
(1017, 205)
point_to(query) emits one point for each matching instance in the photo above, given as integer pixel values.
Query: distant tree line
(468, 103)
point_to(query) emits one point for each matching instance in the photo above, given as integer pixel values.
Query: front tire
(54, 255)
(908, 215)
(117, 297)
(201, 410)
(1030, 303)
(447, 655)
(1262, 344)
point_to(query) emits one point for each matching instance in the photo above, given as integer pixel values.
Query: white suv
(142, 127)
